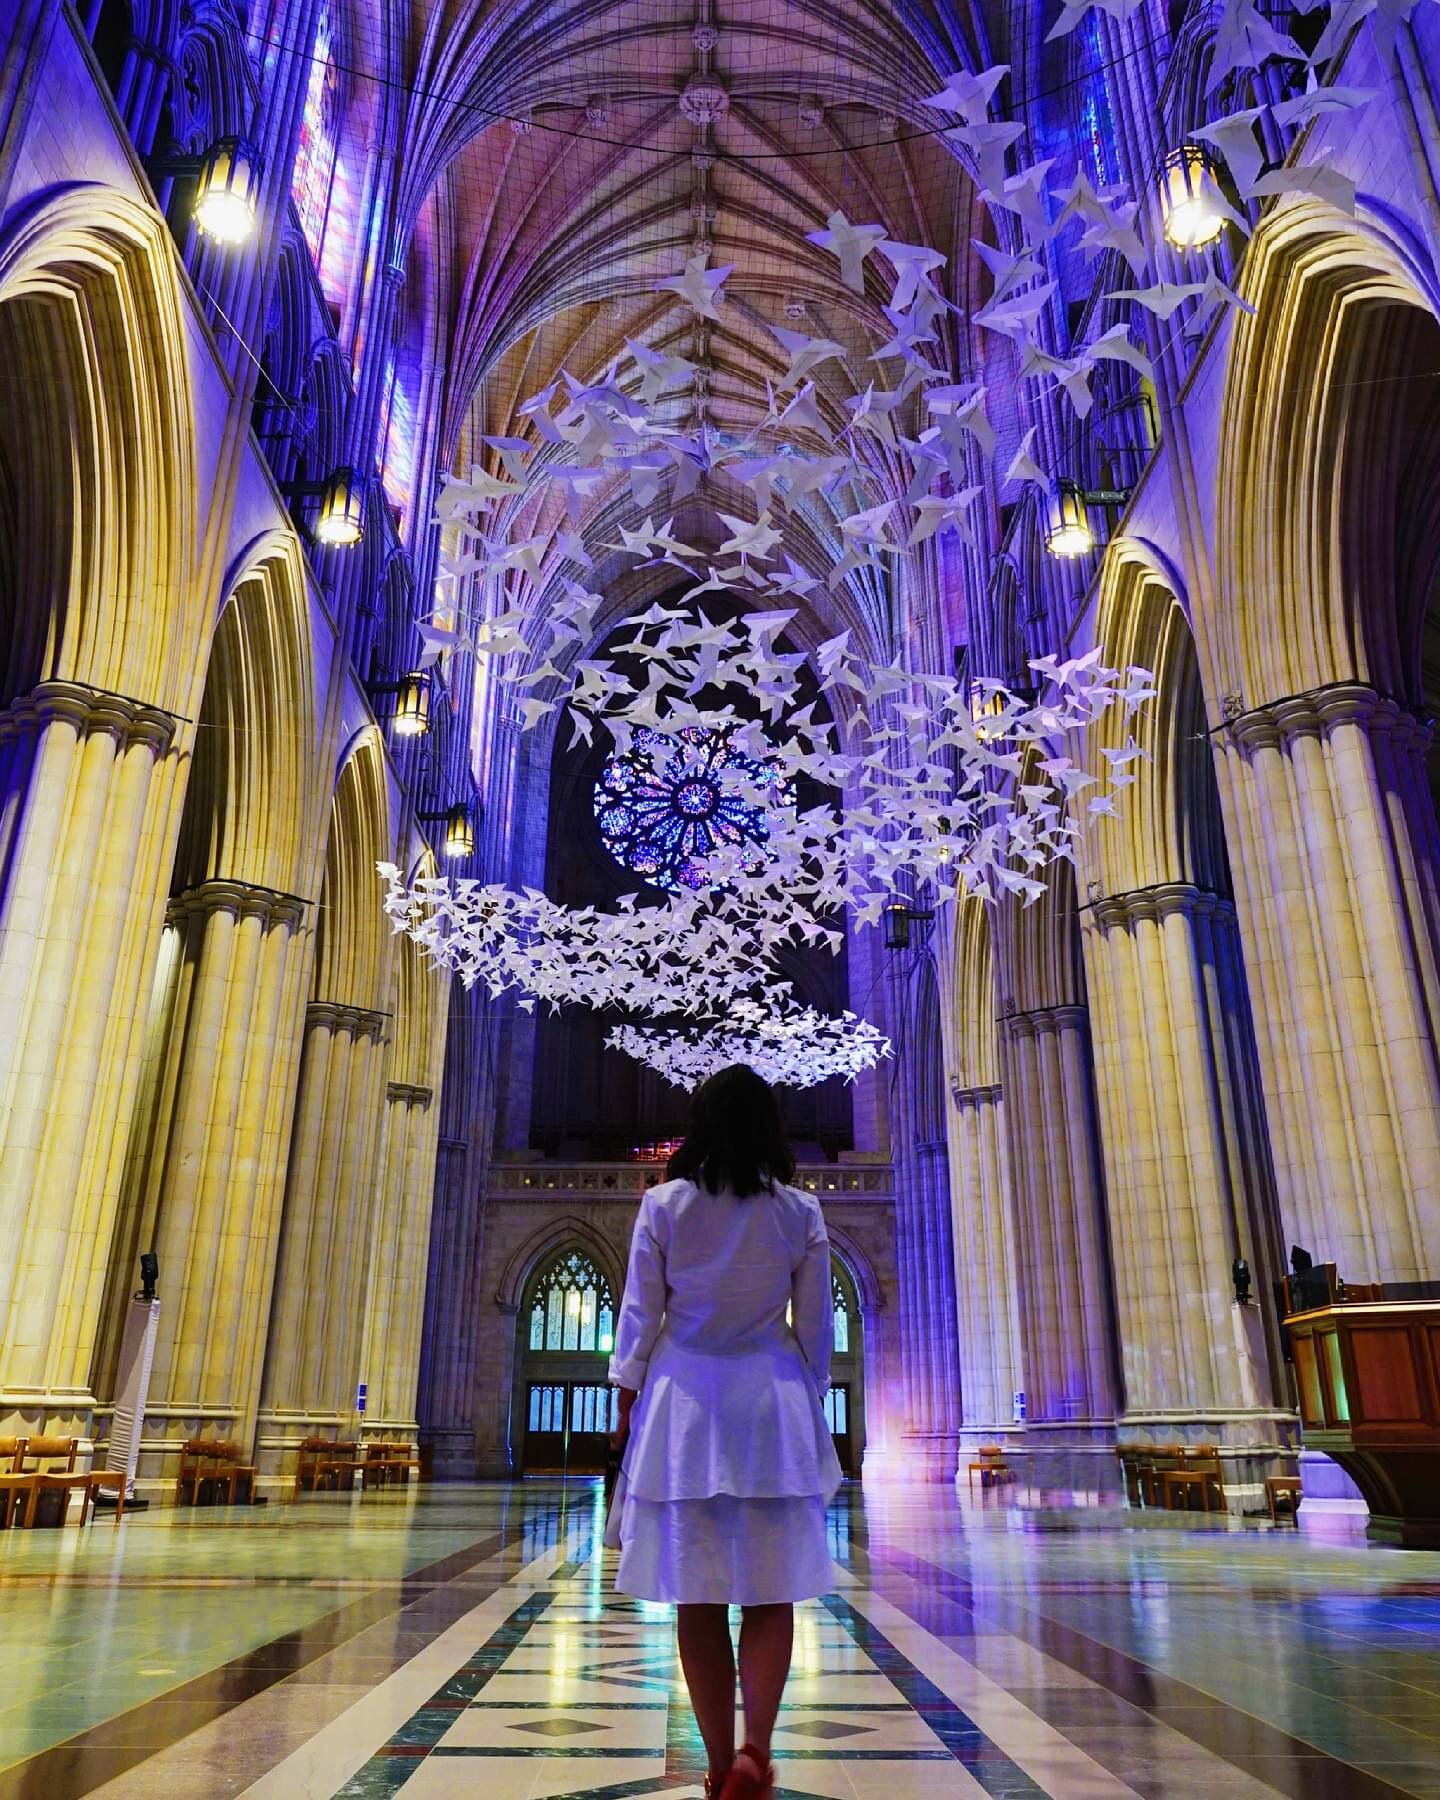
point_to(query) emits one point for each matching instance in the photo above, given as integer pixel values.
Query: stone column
(930, 1435)
(206, 1169)
(498, 1437)
(1061, 1256)
(1336, 866)
(1187, 1171)
(395, 1307)
(989, 1336)
(88, 812)
(453, 1300)
(331, 1199)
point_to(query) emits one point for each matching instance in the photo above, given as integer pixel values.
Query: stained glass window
(572, 1308)
(668, 802)
(321, 183)
(842, 1316)
(397, 440)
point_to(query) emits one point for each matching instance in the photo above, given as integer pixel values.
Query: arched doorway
(567, 1327)
(845, 1403)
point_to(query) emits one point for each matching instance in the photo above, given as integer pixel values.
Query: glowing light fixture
(412, 705)
(1068, 532)
(227, 194)
(1192, 210)
(459, 832)
(341, 521)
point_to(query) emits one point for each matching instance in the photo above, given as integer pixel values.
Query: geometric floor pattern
(470, 1643)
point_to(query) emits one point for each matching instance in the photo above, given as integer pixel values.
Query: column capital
(1158, 902)
(338, 1017)
(246, 899)
(1319, 711)
(976, 1097)
(1043, 1019)
(91, 710)
(408, 1094)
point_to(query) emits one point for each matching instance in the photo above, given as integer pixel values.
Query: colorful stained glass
(397, 442)
(669, 802)
(320, 185)
(572, 1308)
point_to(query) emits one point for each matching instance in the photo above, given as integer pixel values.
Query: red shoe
(753, 1779)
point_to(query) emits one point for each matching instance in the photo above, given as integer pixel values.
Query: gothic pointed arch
(96, 449)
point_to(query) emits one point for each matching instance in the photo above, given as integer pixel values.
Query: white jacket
(729, 1390)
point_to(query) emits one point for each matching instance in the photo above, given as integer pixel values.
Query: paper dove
(657, 370)
(1023, 466)
(967, 94)
(948, 513)
(1317, 100)
(851, 244)
(698, 286)
(910, 262)
(1162, 298)
(805, 353)
(749, 540)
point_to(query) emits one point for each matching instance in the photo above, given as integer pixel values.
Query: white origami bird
(699, 286)
(851, 244)
(805, 353)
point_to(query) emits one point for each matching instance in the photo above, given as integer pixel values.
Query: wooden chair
(201, 1468)
(323, 1462)
(15, 1488)
(1200, 1473)
(212, 1463)
(386, 1463)
(104, 1480)
(1283, 1491)
(991, 1467)
(43, 1452)
(1154, 1464)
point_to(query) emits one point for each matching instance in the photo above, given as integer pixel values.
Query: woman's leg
(708, 1659)
(766, 1634)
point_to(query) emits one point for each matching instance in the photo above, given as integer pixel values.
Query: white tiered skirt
(724, 1550)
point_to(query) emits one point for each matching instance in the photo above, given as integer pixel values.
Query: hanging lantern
(227, 194)
(897, 925)
(1192, 209)
(412, 705)
(341, 521)
(459, 832)
(1068, 533)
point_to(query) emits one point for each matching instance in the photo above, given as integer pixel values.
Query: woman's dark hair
(735, 1142)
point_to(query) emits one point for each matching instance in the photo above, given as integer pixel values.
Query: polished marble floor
(467, 1641)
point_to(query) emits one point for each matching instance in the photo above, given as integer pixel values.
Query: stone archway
(564, 1406)
(205, 1172)
(103, 625)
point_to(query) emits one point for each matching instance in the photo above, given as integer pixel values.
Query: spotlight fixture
(340, 522)
(1192, 210)
(1068, 532)
(459, 828)
(896, 921)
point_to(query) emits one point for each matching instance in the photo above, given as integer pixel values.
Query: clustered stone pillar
(927, 1313)
(1061, 1257)
(90, 804)
(1187, 1176)
(1328, 811)
(206, 1172)
(390, 1360)
(989, 1349)
(317, 1320)
(453, 1312)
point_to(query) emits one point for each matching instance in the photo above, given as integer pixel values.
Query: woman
(722, 1357)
